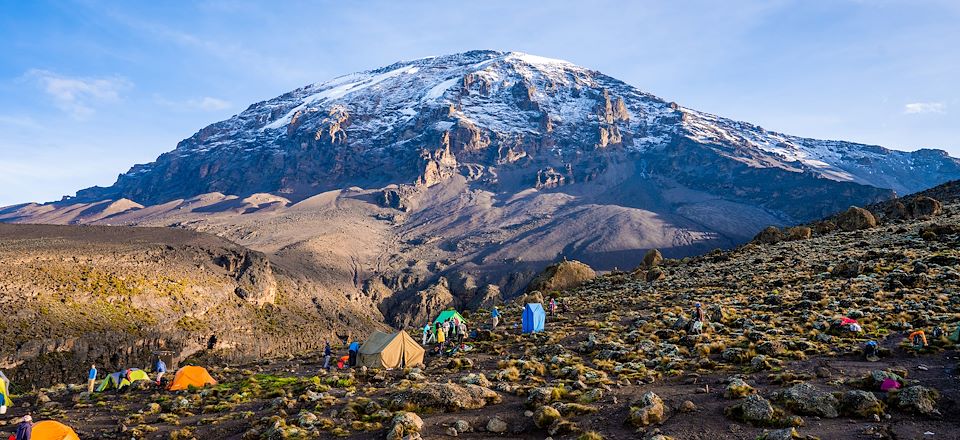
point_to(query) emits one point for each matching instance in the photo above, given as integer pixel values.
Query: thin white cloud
(78, 96)
(206, 103)
(915, 108)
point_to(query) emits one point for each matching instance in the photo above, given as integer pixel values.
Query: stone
(403, 425)
(847, 269)
(655, 274)
(462, 426)
(754, 409)
(650, 410)
(448, 397)
(804, 398)
(497, 426)
(861, 404)
(799, 233)
(652, 258)
(688, 406)
(562, 276)
(855, 219)
(544, 416)
(769, 235)
(307, 419)
(737, 389)
(919, 400)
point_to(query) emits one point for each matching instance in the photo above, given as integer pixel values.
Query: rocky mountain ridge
(480, 169)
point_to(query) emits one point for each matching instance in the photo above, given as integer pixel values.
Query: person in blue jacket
(91, 378)
(161, 368)
(327, 354)
(353, 350)
(495, 317)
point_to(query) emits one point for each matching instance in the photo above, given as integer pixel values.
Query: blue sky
(89, 88)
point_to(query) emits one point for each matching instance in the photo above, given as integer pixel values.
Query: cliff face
(116, 297)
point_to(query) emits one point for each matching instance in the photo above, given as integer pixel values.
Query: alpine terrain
(453, 180)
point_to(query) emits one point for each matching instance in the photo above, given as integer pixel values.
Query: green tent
(448, 314)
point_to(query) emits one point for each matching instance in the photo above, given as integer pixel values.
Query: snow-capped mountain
(444, 180)
(477, 112)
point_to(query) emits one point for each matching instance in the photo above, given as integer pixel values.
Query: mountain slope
(116, 296)
(488, 166)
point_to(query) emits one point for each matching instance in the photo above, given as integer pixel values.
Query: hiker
(871, 351)
(462, 333)
(553, 306)
(696, 325)
(919, 340)
(91, 378)
(327, 354)
(352, 351)
(937, 332)
(426, 334)
(440, 338)
(25, 428)
(495, 317)
(160, 368)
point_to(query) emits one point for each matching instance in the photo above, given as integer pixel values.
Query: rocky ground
(619, 361)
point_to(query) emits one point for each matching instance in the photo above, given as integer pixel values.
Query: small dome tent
(52, 430)
(448, 314)
(533, 318)
(390, 350)
(191, 376)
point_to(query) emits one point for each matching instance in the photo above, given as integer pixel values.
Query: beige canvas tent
(390, 350)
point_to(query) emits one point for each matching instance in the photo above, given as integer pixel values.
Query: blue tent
(533, 318)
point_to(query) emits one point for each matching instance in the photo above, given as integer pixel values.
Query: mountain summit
(452, 180)
(477, 112)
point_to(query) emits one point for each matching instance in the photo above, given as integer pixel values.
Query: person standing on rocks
(327, 353)
(696, 327)
(91, 378)
(160, 368)
(495, 317)
(25, 428)
(553, 306)
(441, 338)
(426, 334)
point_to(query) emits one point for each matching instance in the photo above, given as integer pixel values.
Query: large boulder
(855, 219)
(806, 399)
(919, 400)
(652, 258)
(447, 397)
(561, 276)
(754, 409)
(799, 233)
(649, 410)
(920, 207)
(861, 403)
(769, 235)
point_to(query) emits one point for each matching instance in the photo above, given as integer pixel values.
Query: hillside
(471, 172)
(116, 296)
(769, 359)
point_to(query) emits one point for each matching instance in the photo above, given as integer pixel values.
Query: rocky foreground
(619, 362)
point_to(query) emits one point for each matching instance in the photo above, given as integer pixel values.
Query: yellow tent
(51, 430)
(5, 390)
(390, 350)
(191, 376)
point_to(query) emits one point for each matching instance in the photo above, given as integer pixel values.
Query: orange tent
(191, 376)
(51, 430)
